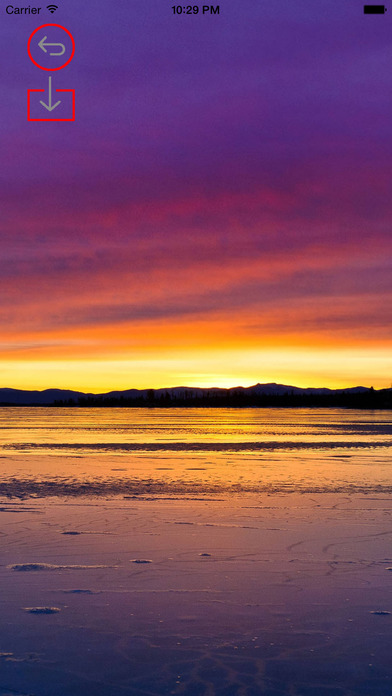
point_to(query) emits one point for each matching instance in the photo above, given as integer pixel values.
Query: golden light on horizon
(338, 368)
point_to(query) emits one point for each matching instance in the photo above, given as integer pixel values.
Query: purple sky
(233, 170)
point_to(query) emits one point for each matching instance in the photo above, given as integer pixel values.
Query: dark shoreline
(257, 396)
(372, 399)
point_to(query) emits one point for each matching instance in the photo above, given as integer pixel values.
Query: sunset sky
(220, 211)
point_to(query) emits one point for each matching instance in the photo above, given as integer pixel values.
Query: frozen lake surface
(199, 552)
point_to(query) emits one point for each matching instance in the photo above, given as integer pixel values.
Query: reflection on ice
(197, 553)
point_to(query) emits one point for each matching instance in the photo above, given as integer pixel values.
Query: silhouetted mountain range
(258, 395)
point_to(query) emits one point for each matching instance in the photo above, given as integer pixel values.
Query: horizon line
(184, 386)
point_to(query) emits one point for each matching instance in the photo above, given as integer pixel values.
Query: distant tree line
(370, 399)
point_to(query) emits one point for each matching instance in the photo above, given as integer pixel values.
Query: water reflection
(188, 451)
(248, 556)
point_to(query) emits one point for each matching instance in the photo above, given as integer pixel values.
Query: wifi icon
(52, 8)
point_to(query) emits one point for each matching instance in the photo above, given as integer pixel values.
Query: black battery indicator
(374, 9)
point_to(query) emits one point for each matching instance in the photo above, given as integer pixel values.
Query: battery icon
(374, 9)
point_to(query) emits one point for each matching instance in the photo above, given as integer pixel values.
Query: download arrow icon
(42, 45)
(50, 106)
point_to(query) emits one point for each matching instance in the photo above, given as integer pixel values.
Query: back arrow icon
(42, 45)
